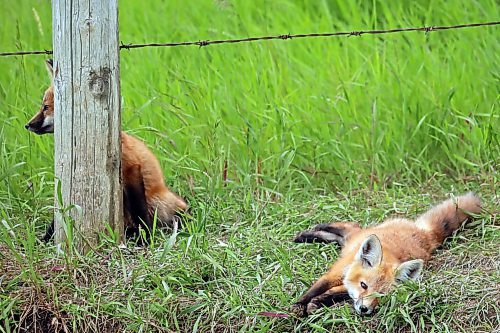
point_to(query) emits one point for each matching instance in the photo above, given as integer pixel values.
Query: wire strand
(202, 43)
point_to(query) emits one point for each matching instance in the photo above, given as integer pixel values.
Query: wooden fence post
(87, 118)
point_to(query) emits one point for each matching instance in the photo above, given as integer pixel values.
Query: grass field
(311, 130)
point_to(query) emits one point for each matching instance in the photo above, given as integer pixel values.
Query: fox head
(43, 121)
(369, 276)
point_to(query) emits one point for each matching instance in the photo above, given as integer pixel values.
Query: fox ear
(370, 252)
(409, 270)
(50, 67)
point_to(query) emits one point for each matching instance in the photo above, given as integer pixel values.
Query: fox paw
(302, 237)
(311, 307)
(298, 309)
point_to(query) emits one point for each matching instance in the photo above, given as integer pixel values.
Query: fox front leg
(328, 281)
(328, 298)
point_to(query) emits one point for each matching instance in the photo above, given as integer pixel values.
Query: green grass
(312, 130)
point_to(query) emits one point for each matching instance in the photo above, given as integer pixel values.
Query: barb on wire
(202, 43)
(328, 34)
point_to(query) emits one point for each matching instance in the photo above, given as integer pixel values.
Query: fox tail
(445, 218)
(166, 205)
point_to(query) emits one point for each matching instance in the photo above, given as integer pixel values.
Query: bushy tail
(166, 204)
(443, 219)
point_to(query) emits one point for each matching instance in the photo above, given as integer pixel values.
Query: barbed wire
(294, 36)
(22, 53)
(202, 43)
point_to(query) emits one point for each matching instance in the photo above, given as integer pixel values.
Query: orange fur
(139, 165)
(158, 196)
(376, 258)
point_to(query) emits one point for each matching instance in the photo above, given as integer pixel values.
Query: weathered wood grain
(87, 117)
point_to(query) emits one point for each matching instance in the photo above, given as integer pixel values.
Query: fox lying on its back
(374, 259)
(144, 190)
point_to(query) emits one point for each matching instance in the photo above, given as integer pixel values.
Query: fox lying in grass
(144, 190)
(376, 258)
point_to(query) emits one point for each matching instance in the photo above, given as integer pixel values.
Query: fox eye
(45, 107)
(363, 285)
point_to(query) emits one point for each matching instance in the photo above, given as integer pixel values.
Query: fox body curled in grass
(376, 258)
(144, 190)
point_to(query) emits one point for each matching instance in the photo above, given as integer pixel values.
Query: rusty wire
(202, 43)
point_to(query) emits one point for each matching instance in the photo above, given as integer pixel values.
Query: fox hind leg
(317, 236)
(49, 233)
(327, 233)
(136, 202)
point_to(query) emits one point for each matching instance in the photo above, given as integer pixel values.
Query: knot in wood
(99, 82)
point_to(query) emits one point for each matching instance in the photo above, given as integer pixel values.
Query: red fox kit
(376, 258)
(144, 190)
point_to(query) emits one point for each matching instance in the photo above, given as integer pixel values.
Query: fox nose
(27, 126)
(363, 309)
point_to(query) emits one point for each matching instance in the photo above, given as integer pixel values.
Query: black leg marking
(331, 228)
(131, 228)
(328, 299)
(327, 233)
(49, 233)
(319, 287)
(318, 237)
(136, 203)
